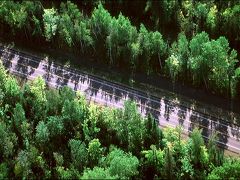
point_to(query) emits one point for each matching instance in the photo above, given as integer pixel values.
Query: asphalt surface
(111, 94)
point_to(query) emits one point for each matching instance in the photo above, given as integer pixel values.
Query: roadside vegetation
(48, 133)
(200, 54)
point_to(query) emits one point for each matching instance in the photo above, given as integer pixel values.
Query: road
(168, 113)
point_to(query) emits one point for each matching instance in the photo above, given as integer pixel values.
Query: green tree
(54, 102)
(8, 141)
(12, 91)
(79, 154)
(55, 126)
(230, 21)
(153, 134)
(20, 124)
(153, 162)
(58, 158)
(22, 167)
(97, 173)
(122, 164)
(42, 133)
(50, 21)
(229, 170)
(215, 154)
(74, 113)
(169, 164)
(131, 136)
(18, 115)
(4, 171)
(90, 128)
(100, 21)
(3, 75)
(177, 62)
(199, 152)
(26, 160)
(197, 64)
(66, 173)
(39, 101)
(94, 152)
(120, 35)
(66, 93)
(68, 17)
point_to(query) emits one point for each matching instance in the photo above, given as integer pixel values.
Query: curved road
(167, 113)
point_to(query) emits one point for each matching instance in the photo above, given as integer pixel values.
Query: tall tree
(51, 21)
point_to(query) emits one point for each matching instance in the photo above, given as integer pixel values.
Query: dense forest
(57, 133)
(188, 41)
(48, 133)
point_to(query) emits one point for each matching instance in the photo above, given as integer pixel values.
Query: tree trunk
(160, 63)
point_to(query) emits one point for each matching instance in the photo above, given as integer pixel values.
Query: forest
(56, 133)
(191, 42)
(49, 133)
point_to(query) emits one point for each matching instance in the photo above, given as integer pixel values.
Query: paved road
(167, 113)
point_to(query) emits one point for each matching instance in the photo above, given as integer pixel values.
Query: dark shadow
(209, 125)
(182, 112)
(154, 108)
(24, 67)
(6, 59)
(168, 108)
(222, 132)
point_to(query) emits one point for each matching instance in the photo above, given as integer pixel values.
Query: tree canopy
(84, 140)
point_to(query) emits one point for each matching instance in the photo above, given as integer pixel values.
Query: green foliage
(153, 161)
(65, 128)
(73, 27)
(18, 115)
(169, 164)
(55, 105)
(66, 30)
(12, 91)
(153, 134)
(122, 164)
(74, 110)
(178, 61)
(230, 17)
(8, 141)
(90, 128)
(63, 173)
(97, 173)
(207, 62)
(202, 61)
(42, 133)
(23, 165)
(28, 158)
(215, 153)
(4, 171)
(131, 136)
(100, 20)
(55, 126)
(66, 93)
(199, 152)
(78, 153)
(17, 17)
(94, 152)
(39, 101)
(58, 158)
(212, 17)
(50, 20)
(61, 138)
(3, 75)
(229, 170)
